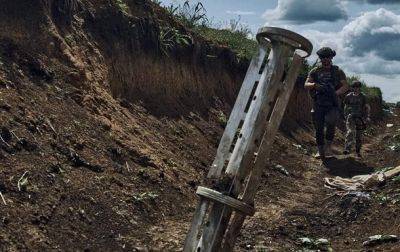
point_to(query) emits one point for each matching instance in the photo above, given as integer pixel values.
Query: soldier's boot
(358, 145)
(328, 149)
(358, 152)
(347, 148)
(321, 152)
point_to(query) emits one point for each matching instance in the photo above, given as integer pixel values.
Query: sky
(364, 33)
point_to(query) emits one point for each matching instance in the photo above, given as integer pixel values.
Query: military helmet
(326, 52)
(356, 84)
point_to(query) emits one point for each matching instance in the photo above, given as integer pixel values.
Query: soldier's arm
(368, 109)
(346, 100)
(344, 85)
(310, 82)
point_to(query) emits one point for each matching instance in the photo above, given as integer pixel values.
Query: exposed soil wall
(122, 51)
(183, 78)
(96, 36)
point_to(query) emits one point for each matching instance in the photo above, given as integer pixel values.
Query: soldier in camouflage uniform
(356, 109)
(325, 82)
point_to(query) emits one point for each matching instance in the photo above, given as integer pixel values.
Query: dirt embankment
(105, 138)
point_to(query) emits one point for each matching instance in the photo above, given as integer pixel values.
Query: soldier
(356, 108)
(325, 82)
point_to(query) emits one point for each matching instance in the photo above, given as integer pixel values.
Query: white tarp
(361, 182)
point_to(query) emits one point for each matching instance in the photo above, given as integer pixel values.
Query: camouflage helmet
(326, 52)
(356, 84)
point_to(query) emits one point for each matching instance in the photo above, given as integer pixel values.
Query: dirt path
(298, 205)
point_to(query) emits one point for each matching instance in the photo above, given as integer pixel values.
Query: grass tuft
(170, 38)
(123, 7)
(191, 15)
(235, 40)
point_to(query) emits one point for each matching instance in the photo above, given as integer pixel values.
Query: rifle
(360, 123)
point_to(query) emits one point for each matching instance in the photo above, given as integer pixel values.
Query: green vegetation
(170, 38)
(396, 179)
(382, 198)
(221, 117)
(69, 39)
(395, 147)
(190, 15)
(394, 197)
(306, 68)
(370, 92)
(236, 40)
(235, 35)
(122, 6)
(23, 182)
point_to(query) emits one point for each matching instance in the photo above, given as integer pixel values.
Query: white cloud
(307, 11)
(368, 44)
(362, 47)
(241, 13)
(375, 32)
(372, 64)
(390, 86)
(394, 97)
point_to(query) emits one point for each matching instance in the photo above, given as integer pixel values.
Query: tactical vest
(326, 96)
(355, 104)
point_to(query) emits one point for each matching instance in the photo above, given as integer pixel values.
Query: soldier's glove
(368, 120)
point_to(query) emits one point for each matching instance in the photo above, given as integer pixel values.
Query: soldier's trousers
(353, 135)
(324, 116)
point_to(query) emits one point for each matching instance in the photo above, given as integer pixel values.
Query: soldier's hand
(317, 86)
(368, 119)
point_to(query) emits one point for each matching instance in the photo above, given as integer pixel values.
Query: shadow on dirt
(346, 167)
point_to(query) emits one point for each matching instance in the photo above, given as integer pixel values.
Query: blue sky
(365, 33)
